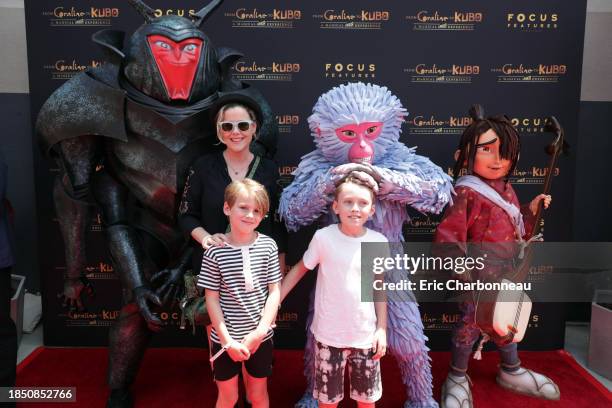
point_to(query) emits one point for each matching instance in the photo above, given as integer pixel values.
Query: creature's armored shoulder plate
(82, 106)
(111, 42)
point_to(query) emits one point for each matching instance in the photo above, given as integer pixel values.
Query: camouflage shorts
(364, 374)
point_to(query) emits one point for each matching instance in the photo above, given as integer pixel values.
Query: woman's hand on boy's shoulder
(379, 344)
(214, 240)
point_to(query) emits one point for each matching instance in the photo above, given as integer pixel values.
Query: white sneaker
(456, 392)
(527, 382)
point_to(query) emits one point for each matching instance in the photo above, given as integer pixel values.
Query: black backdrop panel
(522, 58)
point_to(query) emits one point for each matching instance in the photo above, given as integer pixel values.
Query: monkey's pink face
(361, 136)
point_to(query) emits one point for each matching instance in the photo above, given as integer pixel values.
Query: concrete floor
(576, 343)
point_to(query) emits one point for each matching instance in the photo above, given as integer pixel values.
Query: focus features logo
(530, 73)
(529, 124)
(275, 71)
(352, 20)
(429, 124)
(452, 74)
(532, 21)
(426, 20)
(254, 18)
(350, 70)
(72, 16)
(175, 12)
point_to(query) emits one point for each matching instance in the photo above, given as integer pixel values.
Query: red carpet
(181, 378)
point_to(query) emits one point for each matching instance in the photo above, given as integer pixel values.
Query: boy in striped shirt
(242, 288)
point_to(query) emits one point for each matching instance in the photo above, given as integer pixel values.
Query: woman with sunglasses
(201, 210)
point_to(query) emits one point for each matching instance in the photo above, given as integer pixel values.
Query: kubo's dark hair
(509, 139)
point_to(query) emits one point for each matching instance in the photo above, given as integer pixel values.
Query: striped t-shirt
(241, 276)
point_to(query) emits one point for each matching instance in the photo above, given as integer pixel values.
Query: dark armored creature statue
(142, 118)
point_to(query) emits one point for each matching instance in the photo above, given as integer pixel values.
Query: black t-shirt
(202, 201)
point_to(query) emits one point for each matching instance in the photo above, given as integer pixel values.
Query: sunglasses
(243, 125)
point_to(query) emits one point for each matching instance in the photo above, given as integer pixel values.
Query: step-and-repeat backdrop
(522, 58)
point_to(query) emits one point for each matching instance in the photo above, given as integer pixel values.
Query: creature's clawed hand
(170, 283)
(74, 288)
(364, 167)
(366, 173)
(143, 295)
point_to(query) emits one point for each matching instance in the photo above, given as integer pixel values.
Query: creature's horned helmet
(170, 58)
(149, 14)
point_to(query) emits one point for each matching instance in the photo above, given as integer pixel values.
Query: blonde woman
(201, 210)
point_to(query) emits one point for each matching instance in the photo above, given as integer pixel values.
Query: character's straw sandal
(447, 392)
(537, 391)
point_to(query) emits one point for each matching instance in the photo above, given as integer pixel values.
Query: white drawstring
(478, 352)
(248, 275)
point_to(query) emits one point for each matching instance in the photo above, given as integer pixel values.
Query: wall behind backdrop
(521, 58)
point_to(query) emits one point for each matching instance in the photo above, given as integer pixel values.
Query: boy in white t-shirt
(344, 327)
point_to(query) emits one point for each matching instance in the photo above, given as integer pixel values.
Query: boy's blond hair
(352, 180)
(249, 188)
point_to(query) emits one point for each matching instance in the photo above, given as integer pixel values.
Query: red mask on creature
(177, 63)
(361, 135)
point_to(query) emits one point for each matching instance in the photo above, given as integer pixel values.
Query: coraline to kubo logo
(287, 170)
(421, 224)
(284, 320)
(437, 74)
(531, 175)
(286, 175)
(350, 70)
(274, 71)
(86, 318)
(427, 20)
(352, 20)
(526, 124)
(429, 124)
(532, 21)
(444, 321)
(286, 122)
(63, 69)
(537, 73)
(244, 17)
(100, 270)
(62, 16)
(539, 273)
(96, 223)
